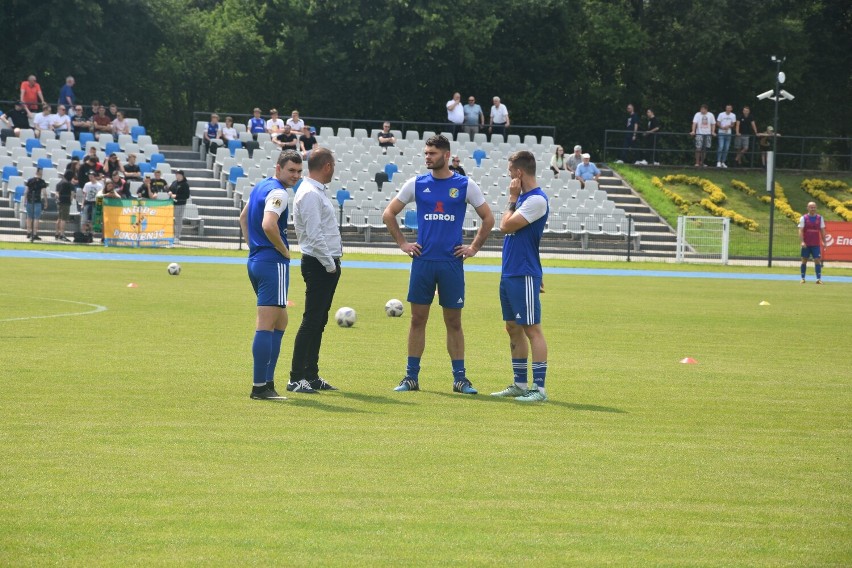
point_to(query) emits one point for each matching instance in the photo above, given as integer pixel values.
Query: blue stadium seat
(343, 195)
(410, 221)
(136, 132)
(391, 169)
(479, 155)
(235, 173)
(9, 171)
(112, 148)
(86, 137)
(19, 194)
(145, 168)
(233, 145)
(31, 144)
(157, 159)
(44, 163)
(79, 154)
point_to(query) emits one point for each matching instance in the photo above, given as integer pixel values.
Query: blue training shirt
(441, 206)
(269, 195)
(257, 125)
(520, 249)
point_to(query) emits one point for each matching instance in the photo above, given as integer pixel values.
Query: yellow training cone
(764, 303)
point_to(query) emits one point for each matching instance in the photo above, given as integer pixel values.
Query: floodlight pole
(771, 173)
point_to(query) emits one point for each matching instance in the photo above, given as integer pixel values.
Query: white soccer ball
(345, 317)
(394, 308)
(174, 269)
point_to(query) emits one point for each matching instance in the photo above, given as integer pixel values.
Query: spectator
(20, 117)
(112, 113)
(92, 156)
(386, 138)
(650, 139)
(61, 121)
(307, 142)
(122, 186)
(146, 190)
(90, 195)
(43, 121)
(94, 110)
(35, 198)
(229, 133)
(31, 93)
(287, 140)
(158, 183)
(179, 191)
(703, 129)
(256, 125)
(79, 121)
(455, 166)
(120, 125)
(455, 112)
(766, 143)
(558, 162)
(112, 165)
(87, 166)
(101, 123)
(131, 169)
(473, 117)
(6, 127)
(629, 136)
(499, 120)
(213, 133)
(725, 128)
(65, 190)
(574, 160)
(274, 125)
(746, 128)
(109, 190)
(66, 95)
(586, 171)
(297, 125)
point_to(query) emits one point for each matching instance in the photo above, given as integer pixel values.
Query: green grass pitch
(128, 438)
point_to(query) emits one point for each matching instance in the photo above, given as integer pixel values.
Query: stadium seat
(112, 148)
(381, 178)
(479, 155)
(44, 163)
(390, 170)
(143, 140)
(234, 174)
(9, 171)
(342, 195)
(86, 137)
(31, 144)
(410, 221)
(233, 145)
(79, 154)
(136, 132)
(144, 168)
(157, 159)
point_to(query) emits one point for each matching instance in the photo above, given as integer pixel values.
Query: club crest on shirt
(454, 192)
(276, 203)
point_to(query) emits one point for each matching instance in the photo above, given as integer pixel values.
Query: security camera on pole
(776, 94)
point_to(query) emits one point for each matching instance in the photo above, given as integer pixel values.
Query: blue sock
(277, 335)
(818, 268)
(519, 371)
(412, 368)
(261, 349)
(539, 370)
(804, 268)
(458, 369)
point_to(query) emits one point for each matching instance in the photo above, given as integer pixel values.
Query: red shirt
(811, 230)
(30, 94)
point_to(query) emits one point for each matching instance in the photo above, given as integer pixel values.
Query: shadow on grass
(508, 400)
(374, 399)
(317, 405)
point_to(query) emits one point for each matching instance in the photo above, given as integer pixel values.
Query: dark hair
(320, 157)
(524, 161)
(438, 141)
(289, 156)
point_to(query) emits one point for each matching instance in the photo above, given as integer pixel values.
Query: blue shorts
(519, 299)
(34, 210)
(447, 275)
(811, 251)
(270, 281)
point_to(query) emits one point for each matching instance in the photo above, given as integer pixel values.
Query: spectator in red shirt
(102, 123)
(31, 93)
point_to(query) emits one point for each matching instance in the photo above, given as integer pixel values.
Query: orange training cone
(688, 361)
(131, 285)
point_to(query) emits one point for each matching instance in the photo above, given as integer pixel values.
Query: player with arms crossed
(521, 277)
(264, 223)
(438, 255)
(812, 234)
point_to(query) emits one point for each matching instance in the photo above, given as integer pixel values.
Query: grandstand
(605, 217)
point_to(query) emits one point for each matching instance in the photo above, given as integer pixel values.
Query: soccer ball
(345, 317)
(394, 308)
(174, 269)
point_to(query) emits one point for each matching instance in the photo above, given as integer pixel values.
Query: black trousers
(319, 293)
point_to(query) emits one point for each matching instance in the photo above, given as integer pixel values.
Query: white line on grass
(96, 310)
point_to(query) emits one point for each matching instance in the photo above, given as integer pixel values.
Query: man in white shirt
(315, 218)
(703, 129)
(455, 111)
(297, 125)
(43, 121)
(274, 125)
(499, 117)
(724, 130)
(60, 121)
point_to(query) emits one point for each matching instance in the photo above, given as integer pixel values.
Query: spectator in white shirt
(499, 119)
(228, 131)
(297, 125)
(724, 131)
(120, 125)
(43, 121)
(61, 121)
(274, 125)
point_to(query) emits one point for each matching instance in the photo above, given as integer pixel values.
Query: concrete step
(203, 183)
(186, 164)
(208, 192)
(214, 203)
(198, 173)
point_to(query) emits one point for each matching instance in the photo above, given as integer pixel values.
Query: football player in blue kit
(264, 224)
(441, 197)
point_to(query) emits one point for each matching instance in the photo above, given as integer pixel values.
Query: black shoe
(301, 386)
(265, 393)
(36, 238)
(320, 385)
(29, 236)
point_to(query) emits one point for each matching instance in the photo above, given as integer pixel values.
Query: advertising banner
(838, 241)
(139, 222)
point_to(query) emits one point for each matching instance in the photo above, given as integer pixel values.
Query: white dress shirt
(315, 218)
